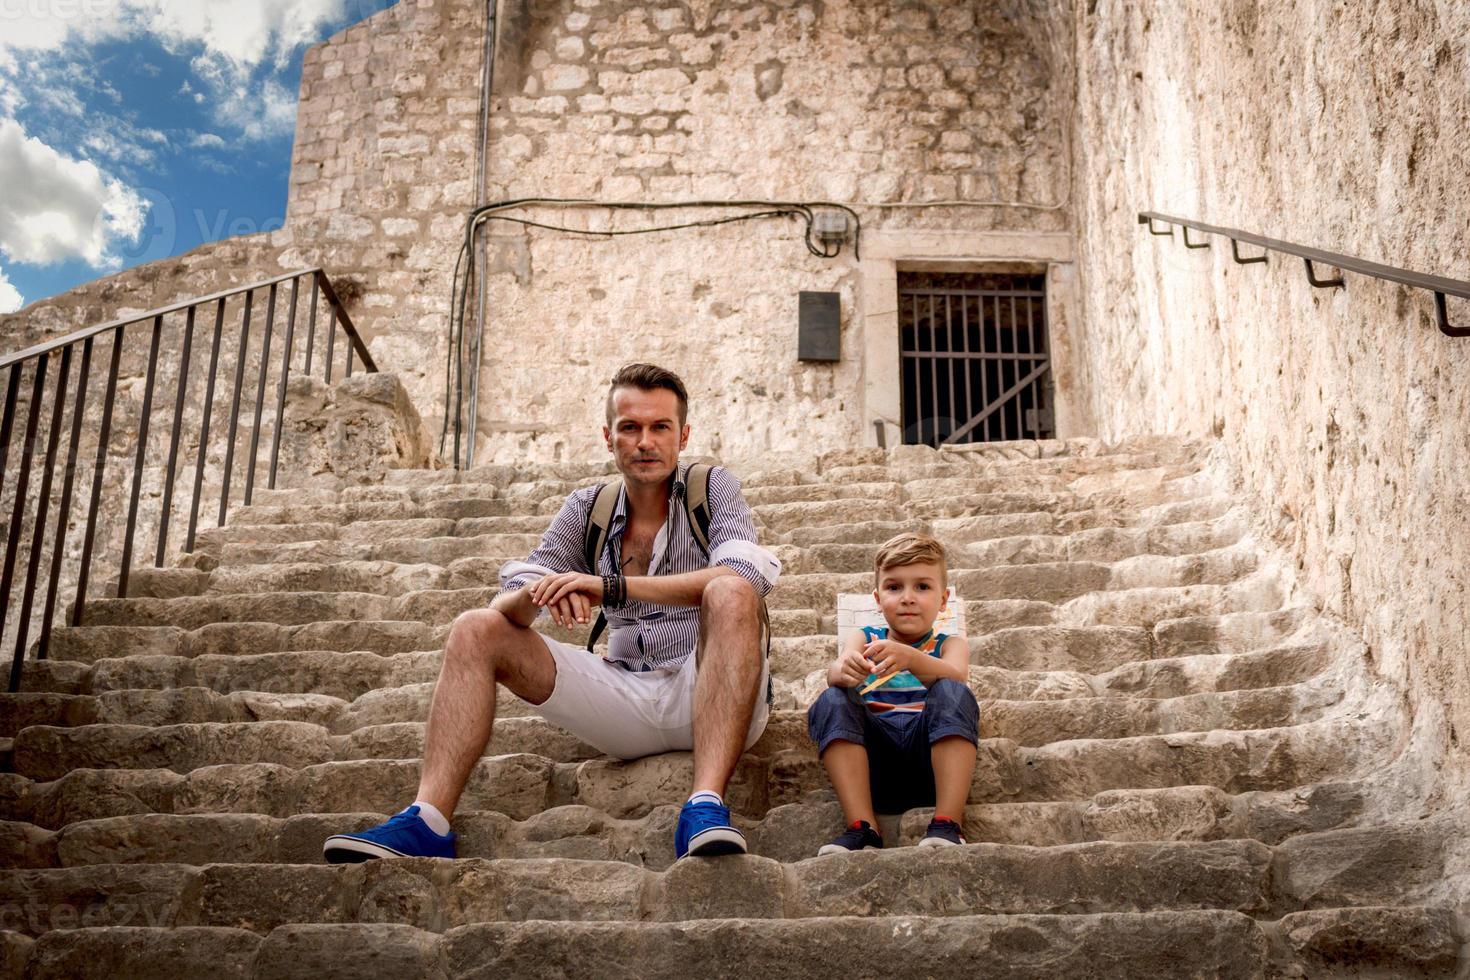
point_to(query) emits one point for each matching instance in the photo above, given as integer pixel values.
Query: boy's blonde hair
(909, 549)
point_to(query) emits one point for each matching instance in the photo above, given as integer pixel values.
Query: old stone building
(1211, 539)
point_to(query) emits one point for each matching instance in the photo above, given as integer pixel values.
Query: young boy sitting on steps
(897, 726)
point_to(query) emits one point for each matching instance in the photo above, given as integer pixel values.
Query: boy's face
(911, 597)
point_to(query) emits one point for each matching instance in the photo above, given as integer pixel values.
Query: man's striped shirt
(645, 635)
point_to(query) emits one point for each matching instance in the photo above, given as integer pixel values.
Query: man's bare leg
(729, 673)
(484, 648)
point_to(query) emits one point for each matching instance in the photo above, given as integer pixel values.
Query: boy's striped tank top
(904, 692)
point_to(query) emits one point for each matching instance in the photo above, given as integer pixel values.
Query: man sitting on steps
(665, 598)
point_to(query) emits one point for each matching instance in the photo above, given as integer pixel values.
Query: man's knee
(729, 595)
(473, 636)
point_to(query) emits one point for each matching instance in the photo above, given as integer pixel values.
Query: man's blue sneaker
(704, 831)
(404, 835)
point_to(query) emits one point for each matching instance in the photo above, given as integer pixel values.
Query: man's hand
(887, 656)
(851, 669)
(569, 596)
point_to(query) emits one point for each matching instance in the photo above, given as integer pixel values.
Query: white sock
(707, 796)
(429, 814)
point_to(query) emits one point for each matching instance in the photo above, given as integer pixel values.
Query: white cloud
(235, 46)
(57, 207)
(10, 297)
(244, 31)
(208, 141)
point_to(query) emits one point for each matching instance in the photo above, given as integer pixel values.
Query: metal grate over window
(976, 358)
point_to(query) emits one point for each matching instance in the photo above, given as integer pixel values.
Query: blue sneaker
(704, 831)
(404, 835)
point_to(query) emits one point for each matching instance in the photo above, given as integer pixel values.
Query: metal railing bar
(1440, 286)
(224, 494)
(142, 457)
(103, 434)
(331, 337)
(330, 292)
(998, 403)
(265, 364)
(173, 440)
(933, 374)
(72, 338)
(992, 356)
(12, 389)
(58, 550)
(18, 512)
(311, 326)
(1036, 293)
(43, 503)
(1348, 263)
(219, 322)
(281, 389)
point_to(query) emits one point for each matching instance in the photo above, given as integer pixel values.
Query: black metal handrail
(1440, 286)
(38, 360)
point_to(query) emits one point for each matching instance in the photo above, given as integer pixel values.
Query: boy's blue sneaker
(404, 835)
(704, 831)
(858, 836)
(942, 833)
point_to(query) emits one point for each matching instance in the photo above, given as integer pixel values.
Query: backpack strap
(594, 540)
(696, 502)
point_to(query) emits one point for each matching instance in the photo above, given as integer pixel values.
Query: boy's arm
(952, 663)
(848, 662)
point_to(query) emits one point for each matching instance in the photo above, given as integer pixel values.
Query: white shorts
(628, 714)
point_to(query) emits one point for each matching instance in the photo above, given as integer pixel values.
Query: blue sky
(132, 130)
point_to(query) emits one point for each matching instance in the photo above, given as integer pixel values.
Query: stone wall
(1341, 411)
(875, 105)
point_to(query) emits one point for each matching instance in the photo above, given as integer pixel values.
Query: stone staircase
(1185, 771)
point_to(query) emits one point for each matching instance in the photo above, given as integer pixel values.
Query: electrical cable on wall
(460, 284)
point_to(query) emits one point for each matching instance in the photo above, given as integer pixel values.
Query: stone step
(380, 510)
(345, 691)
(96, 642)
(223, 657)
(520, 785)
(1105, 544)
(791, 832)
(1399, 942)
(1134, 601)
(1214, 943)
(299, 730)
(998, 879)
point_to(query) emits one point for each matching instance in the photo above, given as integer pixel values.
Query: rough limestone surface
(888, 108)
(1341, 411)
(352, 432)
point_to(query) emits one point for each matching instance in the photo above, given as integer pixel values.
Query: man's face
(646, 437)
(911, 597)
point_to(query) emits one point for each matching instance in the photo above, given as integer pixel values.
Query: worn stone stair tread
(395, 730)
(522, 784)
(973, 879)
(790, 832)
(1182, 944)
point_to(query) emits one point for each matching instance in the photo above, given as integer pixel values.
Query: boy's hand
(887, 656)
(852, 668)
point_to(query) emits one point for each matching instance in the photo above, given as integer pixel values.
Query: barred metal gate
(976, 359)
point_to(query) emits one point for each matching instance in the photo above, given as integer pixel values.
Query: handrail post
(18, 512)
(140, 459)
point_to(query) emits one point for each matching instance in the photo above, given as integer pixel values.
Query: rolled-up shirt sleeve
(732, 541)
(560, 549)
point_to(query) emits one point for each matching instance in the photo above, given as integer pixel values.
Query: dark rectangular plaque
(819, 330)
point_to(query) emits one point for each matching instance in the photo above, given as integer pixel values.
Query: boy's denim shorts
(899, 769)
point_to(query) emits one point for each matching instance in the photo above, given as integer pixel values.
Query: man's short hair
(909, 549)
(648, 377)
